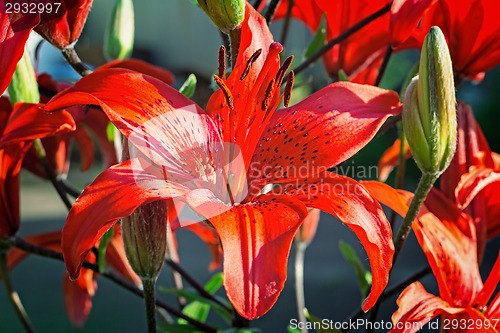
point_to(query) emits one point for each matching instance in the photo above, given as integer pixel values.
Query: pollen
(250, 62)
(268, 96)
(225, 91)
(283, 69)
(222, 62)
(288, 88)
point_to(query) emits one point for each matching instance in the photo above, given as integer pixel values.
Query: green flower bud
(145, 238)
(429, 107)
(226, 14)
(119, 37)
(23, 87)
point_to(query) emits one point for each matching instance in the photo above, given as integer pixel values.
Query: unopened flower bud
(145, 238)
(429, 107)
(23, 87)
(307, 230)
(119, 38)
(226, 14)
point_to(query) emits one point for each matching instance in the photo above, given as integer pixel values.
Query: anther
(288, 88)
(250, 62)
(268, 96)
(283, 69)
(222, 62)
(225, 91)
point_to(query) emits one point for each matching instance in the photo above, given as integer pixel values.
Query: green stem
(42, 156)
(300, 249)
(234, 42)
(12, 293)
(148, 286)
(423, 188)
(73, 59)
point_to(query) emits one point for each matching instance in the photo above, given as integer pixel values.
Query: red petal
(350, 202)
(493, 310)
(29, 121)
(209, 236)
(14, 32)
(405, 16)
(86, 146)
(165, 126)
(323, 130)
(474, 182)
(489, 286)
(142, 67)
(115, 194)
(447, 238)
(306, 11)
(390, 159)
(417, 307)
(256, 239)
(78, 296)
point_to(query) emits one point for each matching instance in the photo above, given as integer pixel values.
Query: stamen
(225, 91)
(222, 62)
(268, 96)
(250, 62)
(283, 69)
(288, 88)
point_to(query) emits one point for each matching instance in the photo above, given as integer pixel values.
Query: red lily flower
(306, 11)
(447, 237)
(206, 160)
(473, 178)
(61, 27)
(390, 158)
(471, 28)
(12, 156)
(79, 293)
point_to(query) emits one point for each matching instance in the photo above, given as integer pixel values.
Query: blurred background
(178, 36)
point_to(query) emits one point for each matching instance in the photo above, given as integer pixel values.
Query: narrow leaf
(318, 40)
(319, 322)
(364, 277)
(189, 86)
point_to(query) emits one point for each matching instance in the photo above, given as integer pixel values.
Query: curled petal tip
(276, 47)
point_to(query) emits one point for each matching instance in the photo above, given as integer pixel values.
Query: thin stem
(234, 42)
(69, 188)
(42, 156)
(174, 256)
(389, 123)
(33, 249)
(344, 35)
(423, 188)
(286, 23)
(12, 293)
(300, 249)
(257, 4)
(383, 67)
(148, 286)
(271, 9)
(189, 279)
(73, 59)
(400, 170)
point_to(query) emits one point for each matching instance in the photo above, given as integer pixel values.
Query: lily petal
(489, 286)
(351, 203)
(322, 131)
(141, 67)
(474, 182)
(20, 125)
(78, 296)
(256, 239)
(115, 194)
(390, 159)
(418, 307)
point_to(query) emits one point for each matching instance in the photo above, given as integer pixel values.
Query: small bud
(145, 238)
(226, 14)
(119, 38)
(23, 87)
(307, 230)
(429, 108)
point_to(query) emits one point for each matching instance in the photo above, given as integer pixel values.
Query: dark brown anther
(225, 91)
(268, 96)
(250, 61)
(222, 62)
(288, 88)
(283, 69)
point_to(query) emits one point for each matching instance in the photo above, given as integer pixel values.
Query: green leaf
(293, 330)
(315, 319)
(364, 277)
(101, 261)
(189, 86)
(343, 76)
(241, 330)
(199, 310)
(319, 39)
(110, 132)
